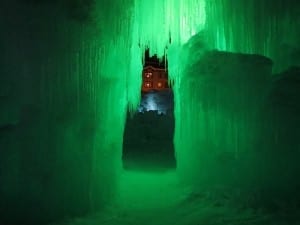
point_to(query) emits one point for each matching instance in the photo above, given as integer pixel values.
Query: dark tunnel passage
(149, 133)
(148, 141)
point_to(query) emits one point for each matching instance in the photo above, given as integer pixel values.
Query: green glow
(255, 27)
(68, 84)
(155, 21)
(120, 51)
(146, 190)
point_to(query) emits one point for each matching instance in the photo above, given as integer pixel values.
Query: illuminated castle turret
(154, 79)
(155, 74)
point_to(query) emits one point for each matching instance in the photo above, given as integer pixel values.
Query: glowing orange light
(148, 84)
(148, 74)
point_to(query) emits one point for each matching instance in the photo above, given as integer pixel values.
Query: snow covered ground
(147, 198)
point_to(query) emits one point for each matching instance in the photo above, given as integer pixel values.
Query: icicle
(157, 20)
(253, 27)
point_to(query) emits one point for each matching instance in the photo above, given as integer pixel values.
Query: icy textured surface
(269, 28)
(157, 22)
(69, 70)
(219, 98)
(59, 154)
(159, 199)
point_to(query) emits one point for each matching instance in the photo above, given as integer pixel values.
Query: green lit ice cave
(70, 73)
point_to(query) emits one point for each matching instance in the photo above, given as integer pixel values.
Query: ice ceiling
(166, 25)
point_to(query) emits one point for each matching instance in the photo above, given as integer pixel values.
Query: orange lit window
(159, 84)
(148, 84)
(148, 74)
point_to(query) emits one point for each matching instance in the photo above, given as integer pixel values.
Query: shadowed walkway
(158, 199)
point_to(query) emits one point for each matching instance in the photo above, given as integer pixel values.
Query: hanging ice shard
(269, 28)
(157, 23)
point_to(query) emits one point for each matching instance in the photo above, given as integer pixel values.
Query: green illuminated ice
(71, 70)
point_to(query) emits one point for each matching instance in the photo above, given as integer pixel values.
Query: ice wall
(269, 28)
(65, 87)
(220, 98)
(278, 144)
